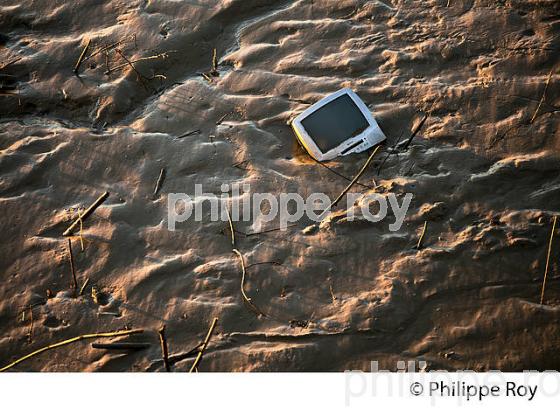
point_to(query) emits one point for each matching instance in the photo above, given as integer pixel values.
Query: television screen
(334, 123)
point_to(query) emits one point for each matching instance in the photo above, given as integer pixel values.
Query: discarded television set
(339, 124)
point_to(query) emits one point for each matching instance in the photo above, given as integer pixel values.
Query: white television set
(339, 124)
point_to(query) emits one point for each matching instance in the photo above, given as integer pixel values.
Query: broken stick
(87, 213)
(419, 244)
(159, 182)
(120, 346)
(141, 76)
(204, 345)
(67, 342)
(81, 58)
(548, 258)
(416, 130)
(543, 96)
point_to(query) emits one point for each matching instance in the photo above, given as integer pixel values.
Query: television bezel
(369, 137)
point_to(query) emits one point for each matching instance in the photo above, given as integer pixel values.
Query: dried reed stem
(355, 179)
(548, 258)
(419, 244)
(159, 182)
(81, 58)
(204, 345)
(72, 268)
(245, 297)
(87, 213)
(141, 77)
(543, 96)
(67, 342)
(231, 227)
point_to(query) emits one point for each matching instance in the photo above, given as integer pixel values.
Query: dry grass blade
(204, 345)
(419, 244)
(247, 299)
(543, 97)
(69, 341)
(548, 258)
(81, 58)
(87, 213)
(164, 351)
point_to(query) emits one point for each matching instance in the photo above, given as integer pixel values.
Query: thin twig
(265, 230)
(355, 179)
(548, 258)
(188, 134)
(84, 287)
(82, 55)
(223, 117)
(215, 63)
(231, 227)
(121, 346)
(72, 268)
(30, 332)
(159, 182)
(154, 57)
(106, 48)
(9, 63)
(141, 76)
(389, 153)
(332, 293)
(81, 230)
(342, 175)
(419, 244)
(543, 96)
(247, 299)
(206, 77)
(204, 345)
(164, 351)
(87, 212)
(416, 130)
(67, 342)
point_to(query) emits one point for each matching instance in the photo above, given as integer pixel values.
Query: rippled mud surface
(484, 171)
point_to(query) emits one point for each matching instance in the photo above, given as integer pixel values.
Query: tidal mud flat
(169, 94)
